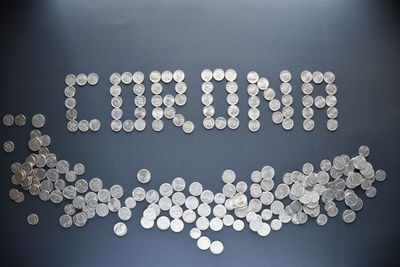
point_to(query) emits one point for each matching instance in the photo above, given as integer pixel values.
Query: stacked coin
(207, 99)
(319, 101)
(261, 204)
(70, 103)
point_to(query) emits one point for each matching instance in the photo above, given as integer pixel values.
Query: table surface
(357, 40)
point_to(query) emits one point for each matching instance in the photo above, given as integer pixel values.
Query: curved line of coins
(260, 204)
(282, 109)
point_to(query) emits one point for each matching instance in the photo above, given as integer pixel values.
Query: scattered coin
(8, 146)
(33, 219)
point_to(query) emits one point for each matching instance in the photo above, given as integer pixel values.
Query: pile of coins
(312, 193)
(70, 102)
(319, 101)
(207, 99)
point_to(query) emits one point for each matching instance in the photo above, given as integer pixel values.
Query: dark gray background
(45, 40)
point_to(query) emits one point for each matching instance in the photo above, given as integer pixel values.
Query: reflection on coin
(20, 120)
(218, 74)
(332, 124)
(285, 76)
(318, 77)
(216, 247)
(203, 243)
(254, 125)
(220, 123)
(233, 123)
(206, 75)
(230, 75)
(94, 125)
(287, 123)
(306, 76)
(144, 176)
(252, 77)
(93, 78)
(308, 124)
(208, 123)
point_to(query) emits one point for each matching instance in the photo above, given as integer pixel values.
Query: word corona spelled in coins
(164, 106)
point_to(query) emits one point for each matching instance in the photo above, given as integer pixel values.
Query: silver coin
(130, 202)
(33, 219)
(287, 100)
(306, 76)
(231, 87)
(140, 113)
(71, 114)
(238, 225)
(81, 79)
(128, 126)
(285, 76)
(93, 78)
(72, 126)
(146, 224)
(216, 224)
(274, 105)
(157, 125)
(252, 77)
(188, 127)
(155, 76)
(102, 210)
(138, 77)
(70, 102)
(263, 83)
(126, 77)
(208, 123)
(322, 219)
(253, 101)
(169, 112)
(285, 88)
(332, 112)
(144, 176)
(163, 223)
(70, 79)
(94, 125)
(317, 77)
(349, 216)
(380, 175)
(169, 100)
(79, 169)
(83, 125)
(331, 89)
(65, 221)
(207, 87)
(331, 100)
(178, 184)
(287, 123)
(115, 78)
(208, 111)
(253, 113)
(177, 225)
(233, 123)
(178, 120)
(20, 120)
(120, 229)
(114, 204)
(180, 99)
(308, 124)
(8, 146)
(228, 176)
(332, 124)
(319, 101)
(116, 125)
(207, 99)
(124, 213)
(178, 76)
(140, 101)
(203, 243)
(206, 75)
(329, 77)
(233, 111)
(157, 101)
(220, 123)
(166, 76)
(80, 219)
(218, 74)
(116, 191)
(307, 113)
(277, 117)
(8, 120)
(195, 233)
(230, 75)
(115, 90)
(252, 89)
(140, 124)
(254, 125)
(138, 89)
(138, 193)
(269, 94)
(287, 111)
(232, 99)
(180, 87)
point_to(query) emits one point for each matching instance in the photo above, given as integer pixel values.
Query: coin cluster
(319, 101)
(232, 99)
(116, 101)
(264, 205)
(70, 102)
(163, 106)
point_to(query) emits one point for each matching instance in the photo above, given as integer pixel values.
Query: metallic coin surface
(120, 229)
(33, 219)
(8, 146)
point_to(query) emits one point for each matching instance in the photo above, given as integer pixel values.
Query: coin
(163, 223)
(332, 124)
(263, 83)
(8, 146)
(20, 120)
(144, 176)
(93, 78)
(157, 125)
(120, 229)
(308, 124)
(233, 123)
(206, 75)
(317, 77)
(166, 76)
(285, 76)
(208, 123)
(116, 125)
(94, 125)
(252, 77)
(65, 221)
(349, 216)
(115, 78)
(233, 111)
(140, 124)
(232, 99)
(70, 79)
(188, 127)
(138, 77)
(274, 105)
(83, 125)
(218, 74)
(33, 219)
(195, 233)
(254, 125)
(329, 77)
(216, 247)
(203, 243)
(287, 123)
(220, 123)
(285, 88)
(238, 225)
(306, 76)
(319, 101)
(177, 225)
(331, 89)
(124, 213)
(81, 79)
